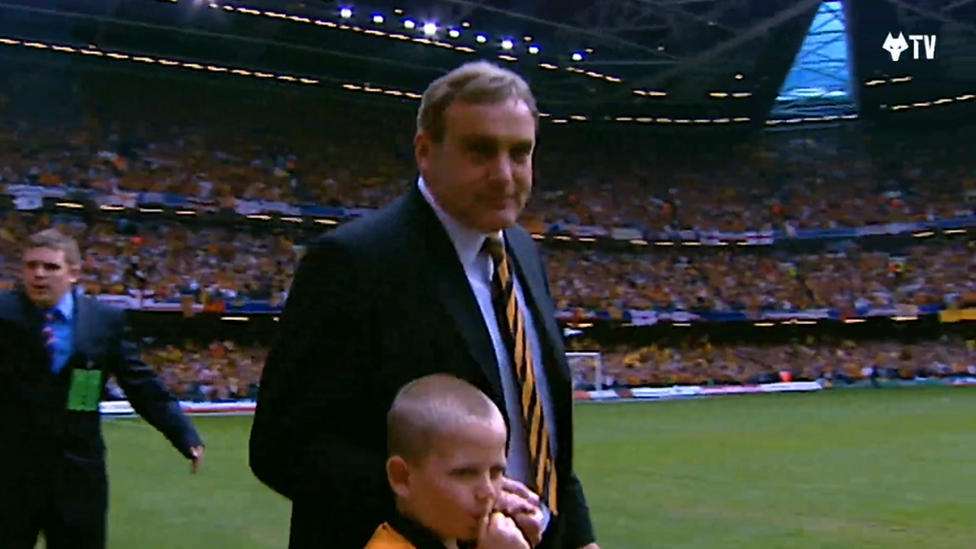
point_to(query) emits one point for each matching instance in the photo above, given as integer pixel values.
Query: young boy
(446, 444)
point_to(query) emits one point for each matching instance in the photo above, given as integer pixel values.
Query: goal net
(587, 371)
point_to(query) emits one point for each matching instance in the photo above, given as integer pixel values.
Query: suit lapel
(81, 324)
(533, 288)
(456, 296)
(17, 309)
(453, 290)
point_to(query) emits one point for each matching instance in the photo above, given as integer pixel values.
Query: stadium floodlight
(534, 50)
(528, 38)
(577, 56)
(454, 33)
(507, 44)
(345, 13)
(378, 19)
(430, 29)
(481, 38)
(408, 24)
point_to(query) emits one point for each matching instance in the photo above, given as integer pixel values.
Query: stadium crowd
(725, 281)
(215, 371)
(781, 183)
(161, 260)
(225, 371)
(787, 182)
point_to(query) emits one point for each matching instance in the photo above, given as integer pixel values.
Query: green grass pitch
(892, 469)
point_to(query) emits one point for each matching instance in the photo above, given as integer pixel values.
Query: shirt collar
(467, 242)
(418, 535)
(66, 306)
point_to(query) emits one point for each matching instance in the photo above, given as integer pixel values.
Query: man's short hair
(54, 239)
(478, 83)
(428, 407)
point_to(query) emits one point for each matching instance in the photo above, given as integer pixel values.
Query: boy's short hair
(429, 406)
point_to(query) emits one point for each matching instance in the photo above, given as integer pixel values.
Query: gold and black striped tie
(511, 322)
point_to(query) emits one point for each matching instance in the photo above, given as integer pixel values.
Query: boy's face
(453, 490)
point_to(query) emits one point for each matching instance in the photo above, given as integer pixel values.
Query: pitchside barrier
(121, 408)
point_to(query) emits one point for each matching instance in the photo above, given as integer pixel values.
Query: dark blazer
(375, 304)
(52, 458)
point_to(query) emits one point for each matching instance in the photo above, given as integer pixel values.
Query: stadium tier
(191, 211)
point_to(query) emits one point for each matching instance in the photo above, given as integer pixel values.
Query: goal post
(587, 369)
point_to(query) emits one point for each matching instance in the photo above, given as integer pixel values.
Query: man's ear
(398, 475)
(74, 273)
(422, 148)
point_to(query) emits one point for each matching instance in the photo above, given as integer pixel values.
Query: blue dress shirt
(57, 321)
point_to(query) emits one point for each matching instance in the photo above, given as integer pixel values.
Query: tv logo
(895, 46)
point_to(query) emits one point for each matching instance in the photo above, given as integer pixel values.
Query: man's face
(48, 276)
(481, 172)
(455, 488)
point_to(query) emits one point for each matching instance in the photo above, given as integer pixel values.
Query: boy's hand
(501, 532)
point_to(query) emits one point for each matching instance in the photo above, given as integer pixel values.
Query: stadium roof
(666, 63)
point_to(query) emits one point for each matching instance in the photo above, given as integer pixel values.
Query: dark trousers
(21, 530)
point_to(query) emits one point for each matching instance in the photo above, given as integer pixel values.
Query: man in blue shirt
(57, 349)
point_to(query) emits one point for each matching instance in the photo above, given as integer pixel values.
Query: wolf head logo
(895, 46)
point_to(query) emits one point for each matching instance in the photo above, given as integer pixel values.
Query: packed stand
(219, 371)
(164, 260)
(751, 282)
(784, 183)
(142, 137)
(136, 138)
(225, 371)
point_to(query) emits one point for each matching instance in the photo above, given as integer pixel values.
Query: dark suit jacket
(376, 304)
(50, 456)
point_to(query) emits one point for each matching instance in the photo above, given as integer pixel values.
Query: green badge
(86, 390)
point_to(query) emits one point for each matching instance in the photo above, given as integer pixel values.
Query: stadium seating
(783, 226)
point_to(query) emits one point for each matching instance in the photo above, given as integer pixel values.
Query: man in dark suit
(57, 348)
(441, 281)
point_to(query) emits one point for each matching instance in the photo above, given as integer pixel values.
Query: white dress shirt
(479, 268)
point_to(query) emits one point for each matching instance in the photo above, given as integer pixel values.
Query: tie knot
(495, 248)
(53, 315)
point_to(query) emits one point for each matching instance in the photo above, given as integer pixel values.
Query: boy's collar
(418, 535)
